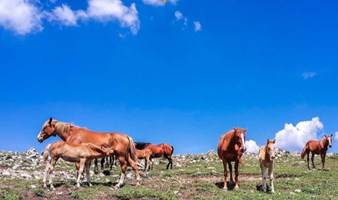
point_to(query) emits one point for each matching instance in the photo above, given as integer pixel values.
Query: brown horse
(231, 147)
(317, 147)
(146, 155)
(82, 153)
(123, 145)
(161, 150)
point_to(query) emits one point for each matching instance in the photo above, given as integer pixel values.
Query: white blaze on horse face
(243, 142)
(330, 141)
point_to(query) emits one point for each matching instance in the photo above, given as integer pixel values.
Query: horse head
(48, 129)
(270, 148)
(239, 134)
(329, 139)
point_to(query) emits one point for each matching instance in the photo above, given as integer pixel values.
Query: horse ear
(50, 121)
(274, 141)
(331, 135)
(267, 141)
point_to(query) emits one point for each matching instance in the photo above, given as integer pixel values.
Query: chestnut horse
(146, 155)
(231, 147)
(266, 156)
(82, 153)
(123, 145)
(159, 150)
(317, 147)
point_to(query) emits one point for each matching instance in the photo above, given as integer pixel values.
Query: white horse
(266, 157)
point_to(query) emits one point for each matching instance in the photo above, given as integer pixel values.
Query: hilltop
(197, 176)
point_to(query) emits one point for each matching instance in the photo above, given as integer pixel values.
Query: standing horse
(317, 147)
(146, 155)
(266, 156)
(231, 147)
(122, 145)
(82, 153)
(160, 150)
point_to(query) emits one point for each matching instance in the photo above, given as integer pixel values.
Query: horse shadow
(230, 185)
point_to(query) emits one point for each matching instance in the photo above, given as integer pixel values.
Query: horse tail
(131, 149)
(46, 153)
(172, 150)
(305, 151)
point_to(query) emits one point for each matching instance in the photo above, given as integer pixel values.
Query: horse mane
(232, 131)
(141, 145)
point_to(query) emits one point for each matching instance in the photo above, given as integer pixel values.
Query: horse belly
(71, 159)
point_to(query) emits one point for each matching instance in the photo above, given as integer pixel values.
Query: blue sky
(256, 65)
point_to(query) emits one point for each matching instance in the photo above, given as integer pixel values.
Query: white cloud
(251, 146)
(20, 16)
(197, 26)
(158, 2)
(336, 136)
(66, 16)
(106, 10)
(180, 17)
(308, 75)
(293, 138)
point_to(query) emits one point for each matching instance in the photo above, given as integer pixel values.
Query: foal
(146, 155)
(266, 157)
(83, 154)
(317, 147)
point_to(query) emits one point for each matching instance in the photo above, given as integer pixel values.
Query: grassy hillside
(193, 177)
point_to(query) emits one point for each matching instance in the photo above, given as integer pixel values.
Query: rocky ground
(193, 177)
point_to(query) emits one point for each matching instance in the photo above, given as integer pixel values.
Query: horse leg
(102, 163)
(96, 168)
(51, 168)
(236, 174)
(225, 187)
(323, 160)
(123, 165)
(135, 168)
(87, 166)
(230, 169)
(170, 163)
(46, 174)
(82, 163)
(308, 160)
(312, 158)
(271, 179)
(263, 177)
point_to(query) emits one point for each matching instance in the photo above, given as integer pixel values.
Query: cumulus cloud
(308, 75)
(105, 10)
(251, 146)
(158, 2)
(197, 26)
(66, 15)
(23, 17)
(293, 138)
(336, 136)
(20, 16)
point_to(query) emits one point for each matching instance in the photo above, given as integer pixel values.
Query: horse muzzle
(243, 150)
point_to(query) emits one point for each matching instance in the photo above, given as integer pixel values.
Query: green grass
(196, 179)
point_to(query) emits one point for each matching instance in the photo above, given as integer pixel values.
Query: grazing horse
(146, 155)
(317, 147)
(82, 153)
(231, 147)
(157, 151)
(266, 156)
(122, 144)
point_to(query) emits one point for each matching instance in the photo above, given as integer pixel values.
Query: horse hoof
(236, 187)
(225, 189)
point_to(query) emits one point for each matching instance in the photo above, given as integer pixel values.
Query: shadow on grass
(230, 185)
